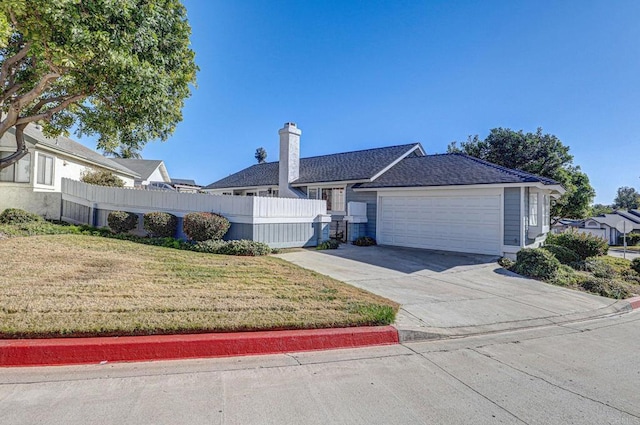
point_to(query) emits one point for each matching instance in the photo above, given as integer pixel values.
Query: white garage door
(462, 223)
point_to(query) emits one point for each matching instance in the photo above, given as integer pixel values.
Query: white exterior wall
(156, 176)
(21, 195)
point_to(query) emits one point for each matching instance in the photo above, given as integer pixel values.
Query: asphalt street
(579, 373)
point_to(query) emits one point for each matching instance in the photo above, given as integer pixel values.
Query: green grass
(79, 285)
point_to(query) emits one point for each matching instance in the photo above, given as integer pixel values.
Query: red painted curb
(635, 302)
(67, 351)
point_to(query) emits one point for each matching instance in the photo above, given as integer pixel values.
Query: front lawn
(78, 285)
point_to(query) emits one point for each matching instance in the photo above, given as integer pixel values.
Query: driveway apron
(445, 294)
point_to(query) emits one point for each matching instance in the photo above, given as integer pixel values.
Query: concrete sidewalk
(445, 294)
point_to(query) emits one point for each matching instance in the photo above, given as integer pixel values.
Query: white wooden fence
(83, 203)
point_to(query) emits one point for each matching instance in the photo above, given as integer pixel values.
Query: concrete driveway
(446, 294)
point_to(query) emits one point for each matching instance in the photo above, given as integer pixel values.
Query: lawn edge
(98, 350)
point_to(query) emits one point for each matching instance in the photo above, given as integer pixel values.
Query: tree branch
(31, 95)
(21, 149)
(10, 93)
(8, 63)
(47, 115)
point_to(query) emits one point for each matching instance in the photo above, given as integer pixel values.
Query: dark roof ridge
(512, 171)
(357, 151)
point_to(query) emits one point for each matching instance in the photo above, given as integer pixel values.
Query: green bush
(16, 216)
(537, 263)
(365, 241)
(606, 287)
(563, 254)
(599, 268)
(632, 239)
(160, 224)
(234, 247)
(566, 276)
(101, 178)
(122, 221)
(584, 244)
(204, 226)
(506, 263)
(635, 265)
(328, 244)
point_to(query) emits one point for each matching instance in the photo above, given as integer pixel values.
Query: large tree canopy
(117, 69)
(626, 198)
(536, 153)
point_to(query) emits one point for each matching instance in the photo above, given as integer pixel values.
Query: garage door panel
(452, 223)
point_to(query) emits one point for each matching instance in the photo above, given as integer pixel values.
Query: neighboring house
(149, 170)
(34, 182)
(604, 225)
(185, 185)
(450, 202)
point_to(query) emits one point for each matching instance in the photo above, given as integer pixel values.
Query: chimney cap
(289, 124)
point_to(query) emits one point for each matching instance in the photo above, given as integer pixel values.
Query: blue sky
(362, 74)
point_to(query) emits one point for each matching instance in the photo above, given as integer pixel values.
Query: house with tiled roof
(34, 183)
(401, 196)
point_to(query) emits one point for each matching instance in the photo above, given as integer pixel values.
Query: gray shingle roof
(612, 219)
(65, 144)
(144, 167)
(186, 182)
(450, 170)
(347, 166)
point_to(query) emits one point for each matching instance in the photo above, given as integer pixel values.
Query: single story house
(34, 183)
(185, 185)
(149, 170)
(604, 225)
(450, 202)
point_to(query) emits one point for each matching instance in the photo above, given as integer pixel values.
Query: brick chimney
(289, 159)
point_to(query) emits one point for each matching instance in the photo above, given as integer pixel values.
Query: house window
(45, 170)
(20, 172)
(533, 209)
(312, 193)
(545, 210)
(334, 197)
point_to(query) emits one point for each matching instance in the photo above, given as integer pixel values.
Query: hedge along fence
(278, 222)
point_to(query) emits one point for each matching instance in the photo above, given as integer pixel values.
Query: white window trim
(41, 156)
(534, 212)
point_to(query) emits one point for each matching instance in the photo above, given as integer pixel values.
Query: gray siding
(76, 213)
(279, 235)
(512, 216)
(371, 198)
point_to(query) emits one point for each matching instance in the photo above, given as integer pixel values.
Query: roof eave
(85, 159)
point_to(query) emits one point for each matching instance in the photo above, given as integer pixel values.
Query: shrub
(122, 221)
(204, 226)
(101, 178)
(234, 247)
(536, 263)
(365, 241)
(599, 268)
(328, 244)
(506, 263)
(16, 216)
(584, 244)
(563, 254)
(160, 224)
(632, 239)
(566, 276)
(245, 247)
(610, 288)
(635, 265)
